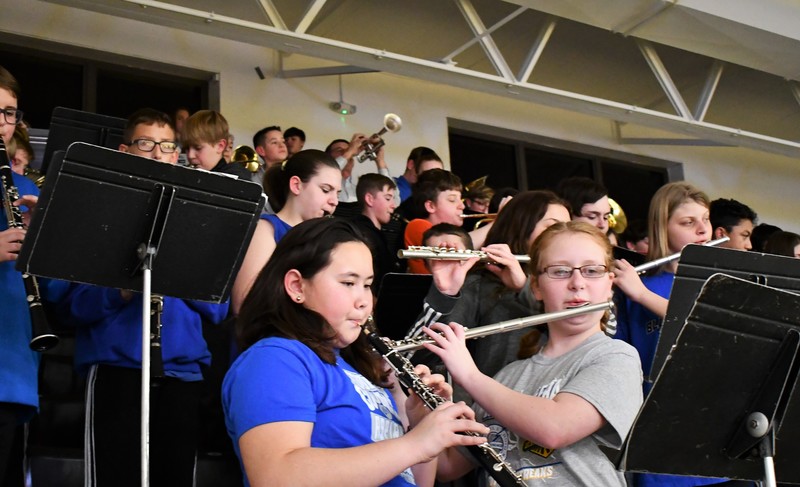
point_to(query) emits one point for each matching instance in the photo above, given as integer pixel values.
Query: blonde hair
(530, 342)
(662, 205)
(204, 126)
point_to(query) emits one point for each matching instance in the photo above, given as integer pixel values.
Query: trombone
(509, 325)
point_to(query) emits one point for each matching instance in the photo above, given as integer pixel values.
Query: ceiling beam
(489, 47)
(272, 14)
(537, 48)
(710, 87)
(664, 79)
(310, 14)
(284, 40)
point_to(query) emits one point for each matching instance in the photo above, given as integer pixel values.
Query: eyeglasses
(147, 145)
(12, 115)
(590, 271)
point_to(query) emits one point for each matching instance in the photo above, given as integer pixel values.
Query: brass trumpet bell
(245, 156)
(617, 221)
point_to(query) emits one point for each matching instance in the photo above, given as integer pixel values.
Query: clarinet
(43, 339)
(484, 454)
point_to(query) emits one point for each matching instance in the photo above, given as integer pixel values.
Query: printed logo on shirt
(532, 447)
(549, 391)
(386, 423)
(537, 473)
(653, 326)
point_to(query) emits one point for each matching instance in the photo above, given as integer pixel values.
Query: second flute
(443, 253)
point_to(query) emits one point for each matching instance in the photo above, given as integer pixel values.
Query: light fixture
(341, 107)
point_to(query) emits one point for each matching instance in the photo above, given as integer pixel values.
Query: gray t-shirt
(605, 372)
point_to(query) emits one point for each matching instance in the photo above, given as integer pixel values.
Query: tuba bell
(617, 221)
(245, 156)
(369, 149)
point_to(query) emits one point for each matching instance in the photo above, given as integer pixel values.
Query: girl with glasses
(549, 412)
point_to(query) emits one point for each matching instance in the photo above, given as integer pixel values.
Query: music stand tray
(98, 205)
(68, 125)
(735, 355)
(697, 263)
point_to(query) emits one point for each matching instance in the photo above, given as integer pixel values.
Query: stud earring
(298, 298)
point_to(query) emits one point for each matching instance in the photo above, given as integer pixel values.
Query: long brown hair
(662, 205)
(530, 342)
(269, 311)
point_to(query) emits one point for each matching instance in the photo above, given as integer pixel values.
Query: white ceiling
(708, 71)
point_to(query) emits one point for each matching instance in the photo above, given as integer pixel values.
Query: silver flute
(508, 325)
(446, 253)
(669, 258)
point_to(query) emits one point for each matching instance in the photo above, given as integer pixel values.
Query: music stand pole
(145, 419)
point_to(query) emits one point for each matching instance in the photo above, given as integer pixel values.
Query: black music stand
(108, 218)
(697, 263)
(68, 125)
(400, 302)
(633, 258)
(724, 403)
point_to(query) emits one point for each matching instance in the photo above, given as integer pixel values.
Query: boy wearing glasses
(151, 134)
(18, 363)
(108, 349)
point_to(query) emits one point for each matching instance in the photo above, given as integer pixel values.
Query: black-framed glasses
(13, 116)
(590, 271)
(147, 145)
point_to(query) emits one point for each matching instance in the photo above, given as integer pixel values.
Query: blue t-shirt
(641, 328)
(403, 187)
(280, 226)
(278, 379)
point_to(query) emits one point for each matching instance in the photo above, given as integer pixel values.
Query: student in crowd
(476, 202)
(419, 160)
(575, 390)
(344, 152)
(149, 133)
(308, 401)
(108, 348)
(588, 200)
(498, 290)
(205, 138)
(635, 237)
(269, 144)
(19, 364)
(179, 117)
(295, 139)
(376, 200)
(20, 150)
(761, 234)
(730, 218)
(437, 196)
(783, 243)
(306, 186)
(678, 216)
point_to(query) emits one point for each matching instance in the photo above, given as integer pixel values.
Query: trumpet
(505, 326)
(369, 148)
(445, 253)
(640, 269)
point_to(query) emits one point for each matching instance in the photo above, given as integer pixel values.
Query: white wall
(766, 182)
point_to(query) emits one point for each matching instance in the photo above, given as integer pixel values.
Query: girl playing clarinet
(309, 402)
